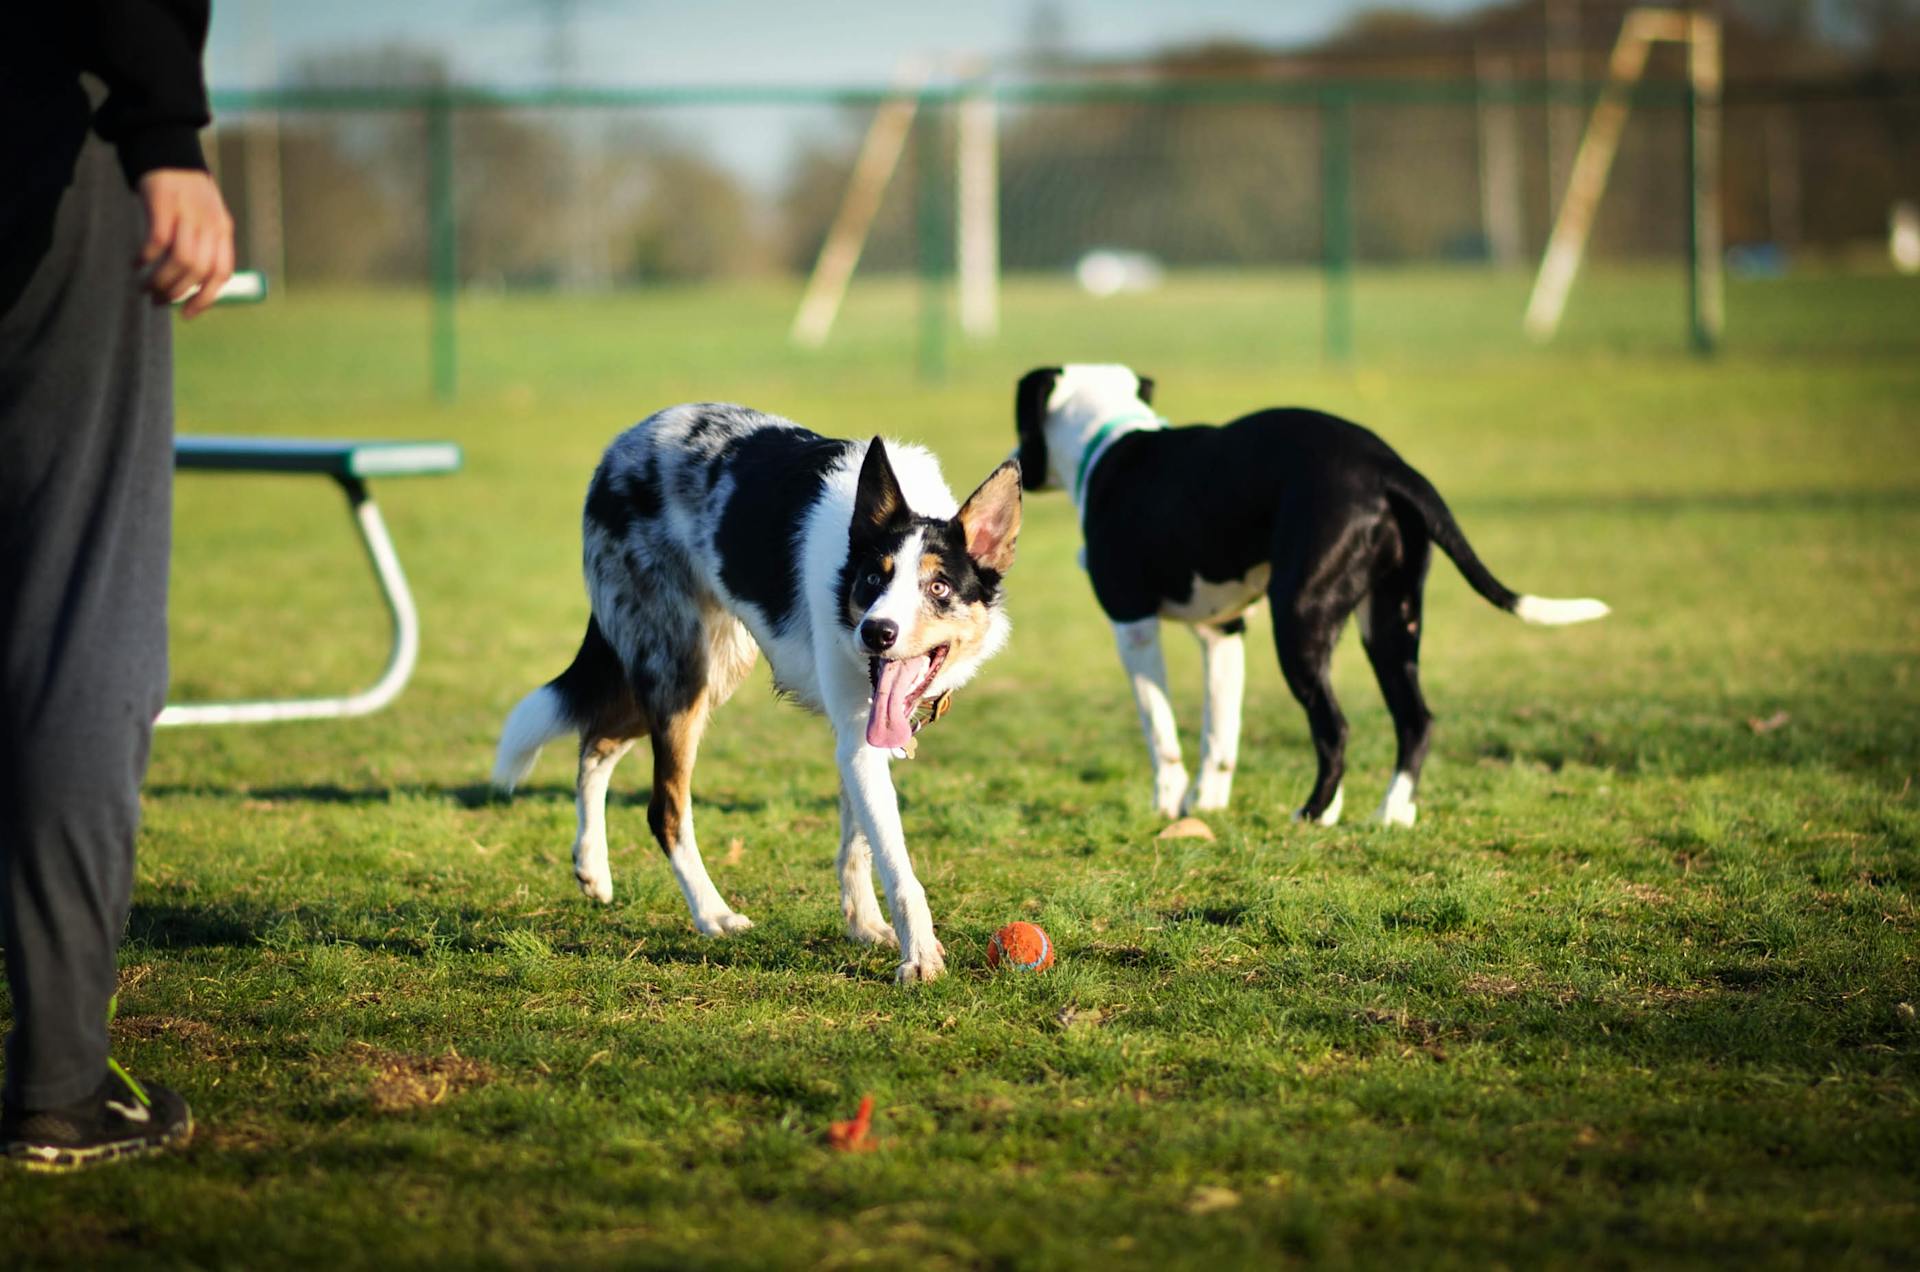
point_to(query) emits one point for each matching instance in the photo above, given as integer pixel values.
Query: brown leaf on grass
(1778, 720)
(1207, 1199)
(736, 849)
(1187, 828)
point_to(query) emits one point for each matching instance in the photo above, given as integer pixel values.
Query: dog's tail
(1418, 493)
(554, 710)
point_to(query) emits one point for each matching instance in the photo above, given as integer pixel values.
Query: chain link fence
(1097, 189)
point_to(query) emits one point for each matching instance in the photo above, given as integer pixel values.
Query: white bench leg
(406, 643)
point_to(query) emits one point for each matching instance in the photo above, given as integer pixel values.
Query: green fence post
(1705, 301)
(442, 260)
(1336, 221)
(935, 234)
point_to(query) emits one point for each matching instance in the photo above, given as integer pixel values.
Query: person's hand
(189, 238)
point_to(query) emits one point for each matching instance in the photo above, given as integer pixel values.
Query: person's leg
(85, 526)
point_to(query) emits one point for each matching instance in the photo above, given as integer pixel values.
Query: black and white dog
(1197, 524)
(710, 529)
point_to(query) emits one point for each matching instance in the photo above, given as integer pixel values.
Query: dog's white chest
(1216, 602)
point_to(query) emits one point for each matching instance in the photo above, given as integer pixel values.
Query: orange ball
(1024, 947)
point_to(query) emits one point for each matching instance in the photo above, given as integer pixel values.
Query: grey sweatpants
(86, 472)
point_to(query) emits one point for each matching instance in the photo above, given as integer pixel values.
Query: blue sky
(651, 42)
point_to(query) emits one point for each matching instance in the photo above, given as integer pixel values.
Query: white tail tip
(1551, 612)
(537, 721)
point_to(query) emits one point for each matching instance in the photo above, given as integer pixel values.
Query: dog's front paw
(596, 883)
(1330, 816)
(871, 932)
(1169, 790)
(1397, 809)
(1209, 792)
(726, 923)
(928, 965)
(1402, 814)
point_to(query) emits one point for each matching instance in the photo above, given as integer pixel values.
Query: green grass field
(1638, 989)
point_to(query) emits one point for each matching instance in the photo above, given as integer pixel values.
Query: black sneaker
(121, 1119)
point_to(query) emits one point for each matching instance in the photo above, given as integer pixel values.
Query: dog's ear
(1146, 388)
(991, 518)
(877, 501)
(1030, 422)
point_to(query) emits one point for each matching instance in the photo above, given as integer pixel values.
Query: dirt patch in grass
(402, 1082)
(1420, 1035)
(1666, 995)
(198, 1037)
(1559, 995)
(1506, 987)
(244, 1135)
(1130, 955)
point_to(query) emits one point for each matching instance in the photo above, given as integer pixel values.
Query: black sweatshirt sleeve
(148, 52)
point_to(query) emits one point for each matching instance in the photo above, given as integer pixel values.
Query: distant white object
(1903, 237)
(1108, 272)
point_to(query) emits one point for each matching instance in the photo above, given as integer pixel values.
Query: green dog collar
(1113, 430)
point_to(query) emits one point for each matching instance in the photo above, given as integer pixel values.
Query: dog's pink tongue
(889, 725)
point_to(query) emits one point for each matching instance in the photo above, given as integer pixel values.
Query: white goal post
(1566, 247)
(879, 156)
(976, 225)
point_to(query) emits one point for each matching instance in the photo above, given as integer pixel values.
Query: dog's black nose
(879, 633)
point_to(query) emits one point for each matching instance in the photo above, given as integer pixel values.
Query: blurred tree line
(540, 197)
(1822, 135)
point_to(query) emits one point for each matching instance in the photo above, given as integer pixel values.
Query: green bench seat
(327, 457)
(351, 464)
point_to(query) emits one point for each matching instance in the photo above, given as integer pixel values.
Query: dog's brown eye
(939, 589)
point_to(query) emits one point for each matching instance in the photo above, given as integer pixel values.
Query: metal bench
(351, 464)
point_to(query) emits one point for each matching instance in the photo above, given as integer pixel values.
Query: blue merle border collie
(711, 529)
(1309, 512)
